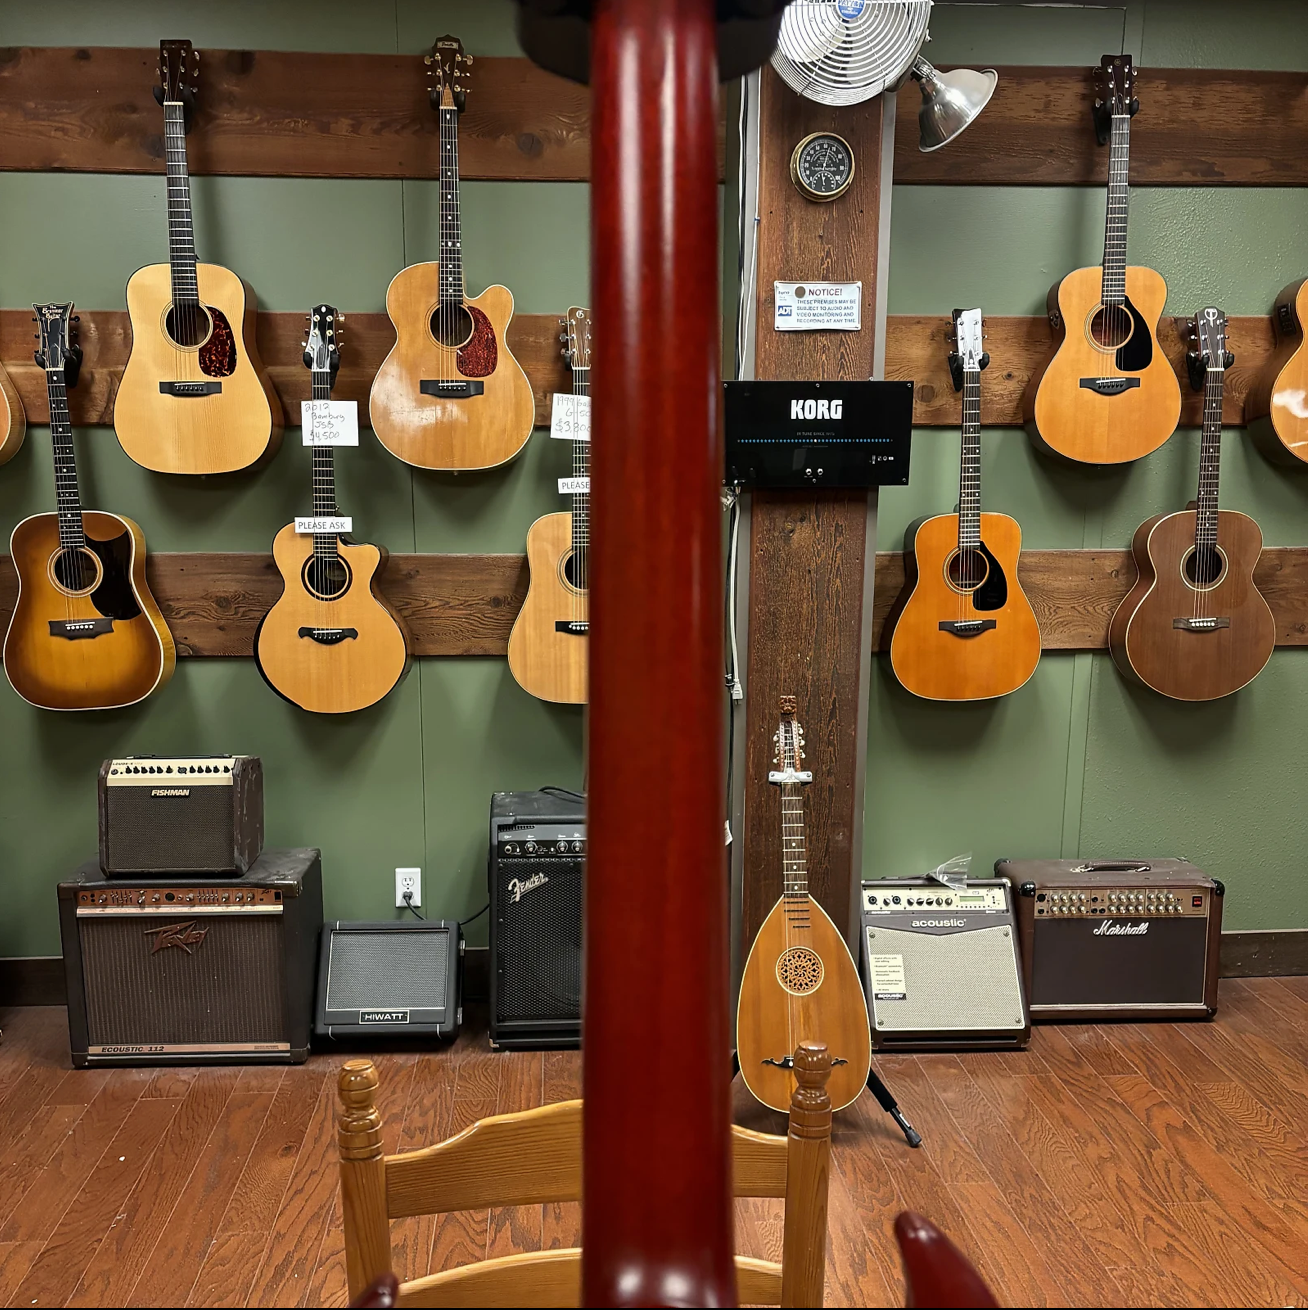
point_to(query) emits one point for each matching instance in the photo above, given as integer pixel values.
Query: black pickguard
(992, 594)
(1138, 353)
(114, 597)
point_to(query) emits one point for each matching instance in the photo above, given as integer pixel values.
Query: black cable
(565, 791)
(465, 922)
(408, 905)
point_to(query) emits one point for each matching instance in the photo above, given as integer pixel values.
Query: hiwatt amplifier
(940, 966)
(169, 814)
(175, 972)
(537, 852)
(1117, 939)
(400, 978)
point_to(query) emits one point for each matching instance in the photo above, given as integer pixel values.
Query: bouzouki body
(1277, 405)
(13, 420)
(547, 650)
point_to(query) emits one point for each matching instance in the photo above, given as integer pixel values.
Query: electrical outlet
(408, 880)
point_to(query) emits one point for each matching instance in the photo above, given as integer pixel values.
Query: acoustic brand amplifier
(537, 852)
(1117, 939)
(170, 972)
(940, 966)
(168, 814)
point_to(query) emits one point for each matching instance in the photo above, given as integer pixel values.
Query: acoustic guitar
(86, 633)
(332, 643)
(800, 982)
(547, 647)
(449, 395)
(1194, 626)
(194, 396)
(967, 630)
(13, 421)
(1108, 394)
(1277, 406)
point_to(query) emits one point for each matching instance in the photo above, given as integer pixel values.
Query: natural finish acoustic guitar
(86, 633)
(1108, 394)
(194, 396)
(967, 630)
(13, 421)
(450, 395)
(332, 643)
(548, 644)
(1194, 626)
(800, 982)
(1277, 405)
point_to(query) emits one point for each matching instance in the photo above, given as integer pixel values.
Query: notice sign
(818, 306)
(330, 422)
(888, 978)
(318, 526)
(570, 417)
(574, 486)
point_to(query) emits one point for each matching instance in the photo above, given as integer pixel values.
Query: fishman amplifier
(940, 966)
(170, 814)
(1117, 939)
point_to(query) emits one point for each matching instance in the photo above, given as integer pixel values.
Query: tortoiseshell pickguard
(478, 358)
(218, 354)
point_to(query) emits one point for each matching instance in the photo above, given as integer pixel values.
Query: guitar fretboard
(794, 865)
(581, 499)
(324, 475)
(1210, 458)
(451, 249)
(181, 236)
(969, 476)
(1119, 195)
(67, 497)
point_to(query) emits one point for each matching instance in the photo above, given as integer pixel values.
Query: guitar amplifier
(168, 814)
(176, 972)
(537, 853)
(940, 966)
(1117, 939)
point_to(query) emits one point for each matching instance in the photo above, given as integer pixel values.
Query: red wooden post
(657, 1225)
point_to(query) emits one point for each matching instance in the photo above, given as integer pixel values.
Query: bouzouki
(800, 982)
(449, 395)
(547, 647)
(1107, 394)
(194, 396)
(86, 633)
(331, 643)
(1277, 406)
(13, 421)
(967, 630)
(1194, 626)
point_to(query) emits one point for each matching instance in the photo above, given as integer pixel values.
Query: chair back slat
(758, 1163)
(533, 1279)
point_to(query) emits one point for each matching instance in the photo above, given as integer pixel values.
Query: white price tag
(817, 306)
(888, 978)
(310, 526)
(330, 422)
(574, 486)
(570, 417)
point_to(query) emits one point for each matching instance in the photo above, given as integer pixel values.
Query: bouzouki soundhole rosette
(800, 970)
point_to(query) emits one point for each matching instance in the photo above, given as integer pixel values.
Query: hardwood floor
(1129, 1165)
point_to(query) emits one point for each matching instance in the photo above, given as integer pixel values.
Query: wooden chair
(535, 1157)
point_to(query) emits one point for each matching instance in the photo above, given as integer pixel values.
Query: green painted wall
(1073, 763)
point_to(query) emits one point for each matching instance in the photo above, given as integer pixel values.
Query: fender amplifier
(171, 972)
(168, 814)
(1117, 939)
(940, 966)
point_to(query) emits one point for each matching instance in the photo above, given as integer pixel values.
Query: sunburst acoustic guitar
(449, 395)
(1277, 405)
(194, 395)
(547, 647)
(13, 421)
(800, 982)
(967, 630)
(86, 633)
(1194, 626)
(332, 643)
(1108, 394)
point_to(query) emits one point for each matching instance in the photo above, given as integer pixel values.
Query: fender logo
(519, 889)
(181, 935)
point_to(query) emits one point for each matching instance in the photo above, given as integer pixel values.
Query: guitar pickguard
(1138, 352)
(479, 357)
(114, 597)
(218, 354)
(992, 594)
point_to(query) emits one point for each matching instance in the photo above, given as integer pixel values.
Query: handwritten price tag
(318, 526)
(570, 417)
(574, 486)
(330, 422)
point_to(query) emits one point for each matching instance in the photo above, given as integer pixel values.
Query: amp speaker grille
(169, 834)
(538, 940)
(388, 970)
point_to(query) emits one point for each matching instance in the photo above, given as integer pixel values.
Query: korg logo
(827, 409)
(383, 1016)
(1110, 929)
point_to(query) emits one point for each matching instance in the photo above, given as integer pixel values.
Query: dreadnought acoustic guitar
(1108, 394)
(194, 397)
(967, 630)
(449, 395)
(1277, 407)
(1194, 626)
(547, 647)
(13, 422)
(800, 982)
(331, 643)
(86, 633)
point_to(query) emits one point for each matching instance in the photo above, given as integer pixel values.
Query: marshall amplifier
(940, 966)
(168, 814)
(175, 972)
(1121, 939)
(537, 851)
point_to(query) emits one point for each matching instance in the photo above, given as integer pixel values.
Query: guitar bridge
(1201, 625)
(189, 390)
(1109, 386)
(788, 1062)
(81, 629)
(966, 627)
(576, 627)
(451, 388)
(329, 636)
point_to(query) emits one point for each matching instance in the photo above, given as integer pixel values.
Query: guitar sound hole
(188, 326)
(799, 970)
(1111, 327)
(574, 571)
(452, 325)
(967, 569)
(75, 569)
(326, 576)
(1203, 567)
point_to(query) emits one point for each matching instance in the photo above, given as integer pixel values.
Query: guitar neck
(324, 474)
(1210, 459)
(67, 497)
(794, 859)
(1119, 195)
(451, 248)
(581, 499)
(181, 234)
(969, 474)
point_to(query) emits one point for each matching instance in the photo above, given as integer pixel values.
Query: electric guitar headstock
(576, 338)
(1114, 93)
(179, 71)
(968, 354)
(1208, 329)
(789, 743)
(449, 73)
(322, 345)
(58, 350)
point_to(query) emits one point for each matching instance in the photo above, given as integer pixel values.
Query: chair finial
(358, 1130)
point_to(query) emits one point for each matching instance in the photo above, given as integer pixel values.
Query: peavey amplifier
(1117, 939)
(168, 814)
(171, 972)
(537, 852)
(940, 966)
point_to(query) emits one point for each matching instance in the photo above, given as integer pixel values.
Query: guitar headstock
(322, 345)
(789, 741)
(969, 354)
(449, 73)
(576, 338)
(58, 350)
(179, 70)
(1114, 93)
(1209, 332)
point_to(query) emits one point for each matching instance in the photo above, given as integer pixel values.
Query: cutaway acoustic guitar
(800, 982)
(1277, 405)
(1194, 627)
(194, 396)
(86, 633)
(450, 395)
(13, 421)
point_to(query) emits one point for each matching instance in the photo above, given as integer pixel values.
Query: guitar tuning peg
(340, 318)
(426, 59)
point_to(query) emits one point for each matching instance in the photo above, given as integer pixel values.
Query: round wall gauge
(822, 166)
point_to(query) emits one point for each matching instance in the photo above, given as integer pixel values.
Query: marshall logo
(383, 1016)
(170, 791)
(518, 889)
(938, 923)
(181, 935)
(1110, 929)
(817, 409)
